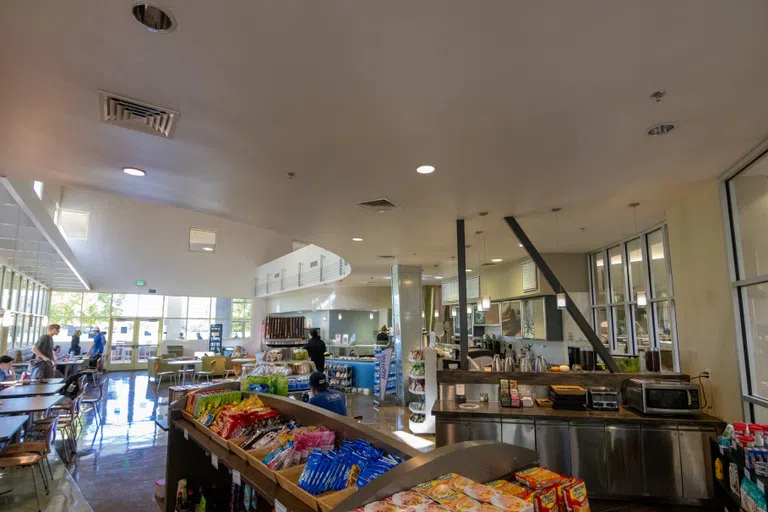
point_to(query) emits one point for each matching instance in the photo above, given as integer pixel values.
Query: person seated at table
(238, 353)
(74, 347)
(324, 397)
(6, 370)
(97, 349)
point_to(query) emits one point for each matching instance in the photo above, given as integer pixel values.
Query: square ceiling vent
(137, 115)
(202, 240)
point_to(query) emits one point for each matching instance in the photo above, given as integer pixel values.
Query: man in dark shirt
(383, 334)
(325, 398)
(315, 347)
(43, 362)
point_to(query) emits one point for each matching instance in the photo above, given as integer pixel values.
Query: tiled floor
(119, 461)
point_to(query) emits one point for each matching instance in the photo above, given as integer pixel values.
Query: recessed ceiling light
(425, 169)
(209, 249)
(660, 129)
(519, 245)
(469, 270)
(153, 18)
(132, 171)
(357, 239)
(496, 260)
(438, 277)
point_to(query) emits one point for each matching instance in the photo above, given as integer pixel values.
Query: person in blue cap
(324, 397)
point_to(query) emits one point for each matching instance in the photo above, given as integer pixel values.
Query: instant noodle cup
(509, 503)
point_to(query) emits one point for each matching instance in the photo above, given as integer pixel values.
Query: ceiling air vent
(136, 115)
(379, 205)
(387, 257)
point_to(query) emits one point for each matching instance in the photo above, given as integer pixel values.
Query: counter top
(450, 409)
(544, 379)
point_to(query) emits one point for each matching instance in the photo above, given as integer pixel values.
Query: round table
(184, 363)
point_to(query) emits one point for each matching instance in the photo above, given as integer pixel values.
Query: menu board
(530, 277)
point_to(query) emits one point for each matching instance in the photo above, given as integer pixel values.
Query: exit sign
(139, 283)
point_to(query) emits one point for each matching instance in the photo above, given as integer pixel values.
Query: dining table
(36, 389)
(30, 405)
(9, 425)
(184, 363)
(69, 364)
(244, 360)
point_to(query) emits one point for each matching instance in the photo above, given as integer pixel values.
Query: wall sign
(530, 277)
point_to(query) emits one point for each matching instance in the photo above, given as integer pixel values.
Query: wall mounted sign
(139, 283)
(530, 277)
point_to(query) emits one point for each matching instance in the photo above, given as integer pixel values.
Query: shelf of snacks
(278, 446)
(277, 355)
(293, 342)
(423, 385)
(339, 376)
(416, 407)
(417, 372)
(416, 356)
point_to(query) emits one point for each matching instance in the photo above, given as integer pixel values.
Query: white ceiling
(520, 106)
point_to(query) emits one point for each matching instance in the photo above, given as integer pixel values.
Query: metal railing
(284, 281)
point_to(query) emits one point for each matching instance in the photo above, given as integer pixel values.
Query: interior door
(147, 340)
(122, 333)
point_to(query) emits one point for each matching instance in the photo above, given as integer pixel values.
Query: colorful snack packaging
(384, 505)
(459, 502)
(485, 507)
(538, 478)
(408, 499)
(480, 492)
(510, 488)
(509, 503)
(437, 488)
(545, 500)
(576, 497)
(430, 507)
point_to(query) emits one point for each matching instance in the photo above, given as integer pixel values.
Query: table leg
(66, 371)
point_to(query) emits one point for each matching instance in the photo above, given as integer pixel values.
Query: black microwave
(663, 396)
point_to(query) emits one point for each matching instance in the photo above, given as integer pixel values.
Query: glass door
(132, 341)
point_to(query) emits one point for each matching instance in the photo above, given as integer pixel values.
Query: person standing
(74, 347)
(315, 347)
(383, 334)
(324, 397)
(42, 363)
(97, 349)
(6, 369)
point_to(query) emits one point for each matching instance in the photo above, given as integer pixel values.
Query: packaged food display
(299, 354)
(274, 384)
(480, 492)
(545, 500)
(752, 498)
(459, 502)
(409, 499)
(509, 503)
(538, 478)
(416, 355)
(510, 488)
(380, 506)
(576, 497)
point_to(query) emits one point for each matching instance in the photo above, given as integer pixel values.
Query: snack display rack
(340, 376)
(423, 389)
(197, 453)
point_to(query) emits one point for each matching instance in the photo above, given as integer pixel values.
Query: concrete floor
(118, 462)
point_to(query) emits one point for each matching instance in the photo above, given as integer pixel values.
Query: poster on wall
(510, 319)
(530, 277)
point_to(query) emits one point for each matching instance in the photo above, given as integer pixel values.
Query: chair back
(50, 434)
(74, 407)
(101, 391)
(213, 365)
(81, 384)
(157, 366)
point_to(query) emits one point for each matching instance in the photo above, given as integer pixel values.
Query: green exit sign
(139, 283)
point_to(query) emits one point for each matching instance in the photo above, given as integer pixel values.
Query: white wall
(331, 297)
(282, 274)
(129, 239)
(704, 310)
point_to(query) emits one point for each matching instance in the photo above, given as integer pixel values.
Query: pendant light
(437, 314)
(453, 312)
(561, 301)
(642, 298)
(486, 301)
(469, 309)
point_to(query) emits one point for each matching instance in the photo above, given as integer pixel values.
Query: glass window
(36, 296)
(198, 329)
(125, 304)
(620, 324)
(642, 332)
(663, 325)
(616, 273)
(73, 224)
(749, 199)
(756, 312)
(66, 304)
(658, 265)
(598, 275)
(601, 325)
(15, 292)
(150, 305)
(174, 329)
(68, 328)
(96, 305)
(238, 330)
(18, 331)
(199, 307)
(636, 267)
(175, 307)
(22, 304)
(241, 309)
(7, 279)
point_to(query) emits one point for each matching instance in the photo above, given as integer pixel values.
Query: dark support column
(461, 256)
(582, 322)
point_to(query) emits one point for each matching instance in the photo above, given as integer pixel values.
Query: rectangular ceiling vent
(379, 205)
(387, 257)
(136, 115)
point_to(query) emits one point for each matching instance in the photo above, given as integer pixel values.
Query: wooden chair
(182, 374)
(27, 460)
(67, 425)
(94, 401)
(208, 373)
(159, 375)
(229, 371)
(237, 369)
(42, 448)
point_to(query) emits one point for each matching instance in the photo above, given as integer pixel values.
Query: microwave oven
(658, 396)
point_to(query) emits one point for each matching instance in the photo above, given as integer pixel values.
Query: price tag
(279, 507)
(186, 434)
(215, 461)
(235, 477)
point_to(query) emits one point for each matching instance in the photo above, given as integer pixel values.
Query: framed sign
(530, 277)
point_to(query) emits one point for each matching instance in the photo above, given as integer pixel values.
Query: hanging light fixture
(437, 314)
(562, 303)
(422, 314)
(339, 316)
(486, 301)
(370, 316)
(642, 298)
(454, 311)
(469, 309)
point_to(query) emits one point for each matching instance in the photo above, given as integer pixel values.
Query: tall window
(620, 275)
(25, 304)
(747, 216)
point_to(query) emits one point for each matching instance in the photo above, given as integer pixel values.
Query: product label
(215, 461)
(186, 434)
(460, 390)
(235, 477)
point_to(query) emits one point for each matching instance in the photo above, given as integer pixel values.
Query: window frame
(630, 297)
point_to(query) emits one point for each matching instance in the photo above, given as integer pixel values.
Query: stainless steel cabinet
(485, 430)
(519, 432)
(661, 462)
(450, 432)
(588, 456)
(553, 442)
(624, 458)
(696, 462)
